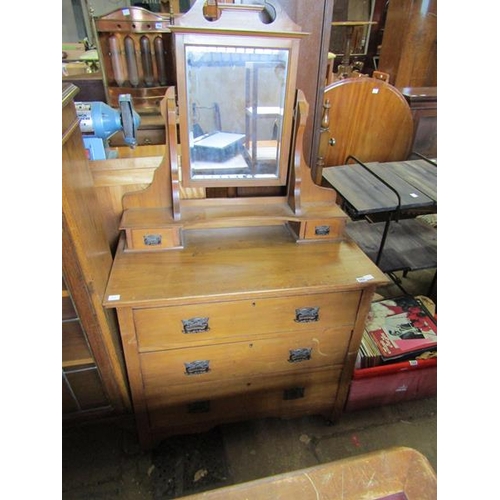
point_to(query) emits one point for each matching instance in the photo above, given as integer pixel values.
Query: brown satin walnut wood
(244, 307)
(239, 319)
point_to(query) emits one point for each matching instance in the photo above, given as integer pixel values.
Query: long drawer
(306, 393)
(177, 326)
(176, 375)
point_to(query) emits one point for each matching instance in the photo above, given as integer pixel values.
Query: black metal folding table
(389, 189)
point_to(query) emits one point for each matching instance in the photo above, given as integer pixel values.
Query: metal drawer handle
(195, 325)
(322, 230)
(307, 314)
(298, 355)
(293, 393)
(197, 367)
(152, 239)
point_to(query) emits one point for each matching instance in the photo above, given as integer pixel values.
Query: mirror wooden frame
(237, 26)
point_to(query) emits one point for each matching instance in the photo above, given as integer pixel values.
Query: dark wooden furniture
(409, 45)
(90, 85)
(93, 375)
(136, 55)
(236, 308)
(423, 105)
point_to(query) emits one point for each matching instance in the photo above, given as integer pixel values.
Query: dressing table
(236, 308)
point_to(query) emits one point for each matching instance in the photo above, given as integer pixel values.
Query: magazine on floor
(401, 327)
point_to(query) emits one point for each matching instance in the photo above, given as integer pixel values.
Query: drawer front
(153, 239)
(308, 394)
(177, 326)
(177, 374)
(324, 229)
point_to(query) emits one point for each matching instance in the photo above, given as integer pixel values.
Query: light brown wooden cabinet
(240, 324)
(240, 308)
(93, 375)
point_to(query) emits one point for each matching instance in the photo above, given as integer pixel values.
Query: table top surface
(419, 173)
(367, 189)
(237, 264)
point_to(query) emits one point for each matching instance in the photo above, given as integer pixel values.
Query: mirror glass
(235, 97)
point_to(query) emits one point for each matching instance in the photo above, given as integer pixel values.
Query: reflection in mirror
(235, 97)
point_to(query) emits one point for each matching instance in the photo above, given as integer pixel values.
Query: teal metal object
(99, 122)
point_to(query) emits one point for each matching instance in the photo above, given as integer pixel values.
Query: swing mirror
(236, 89)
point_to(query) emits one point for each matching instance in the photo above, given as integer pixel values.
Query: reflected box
(217, 147)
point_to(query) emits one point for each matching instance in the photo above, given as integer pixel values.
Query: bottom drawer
(307, 393)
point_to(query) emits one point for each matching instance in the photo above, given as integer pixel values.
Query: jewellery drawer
(152, 239)
(175, 373)
(176, 326)
(324, 229)
(309, 393)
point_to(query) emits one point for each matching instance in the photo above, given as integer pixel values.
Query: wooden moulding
(135, 18)
(235, 19)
